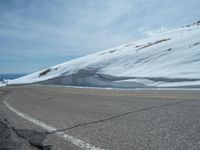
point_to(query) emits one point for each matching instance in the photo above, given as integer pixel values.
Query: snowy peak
(171, 59)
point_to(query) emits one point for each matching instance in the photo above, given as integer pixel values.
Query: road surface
(85, 118)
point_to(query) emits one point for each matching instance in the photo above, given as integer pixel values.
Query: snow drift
(171, 59)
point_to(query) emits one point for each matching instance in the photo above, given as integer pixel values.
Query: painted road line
(79, 143)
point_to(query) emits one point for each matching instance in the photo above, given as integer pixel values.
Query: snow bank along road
(106, 119)
(171, 59)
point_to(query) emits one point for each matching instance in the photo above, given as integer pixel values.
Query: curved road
(80, 118)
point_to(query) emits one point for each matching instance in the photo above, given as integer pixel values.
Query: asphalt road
(105, 118)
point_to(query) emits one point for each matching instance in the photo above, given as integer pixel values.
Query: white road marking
(79, 143)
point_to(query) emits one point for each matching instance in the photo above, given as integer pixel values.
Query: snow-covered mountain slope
(171, 59)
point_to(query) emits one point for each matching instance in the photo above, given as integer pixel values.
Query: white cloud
(154, 32)
(80, 27)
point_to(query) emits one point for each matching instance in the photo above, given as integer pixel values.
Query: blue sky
(35, 34)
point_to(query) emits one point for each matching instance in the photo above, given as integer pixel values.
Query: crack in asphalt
(21, 133)
(12, 137)
(34, 137)
(44, 100)
(117, 116)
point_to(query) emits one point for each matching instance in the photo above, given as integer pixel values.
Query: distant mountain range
(11, 76)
